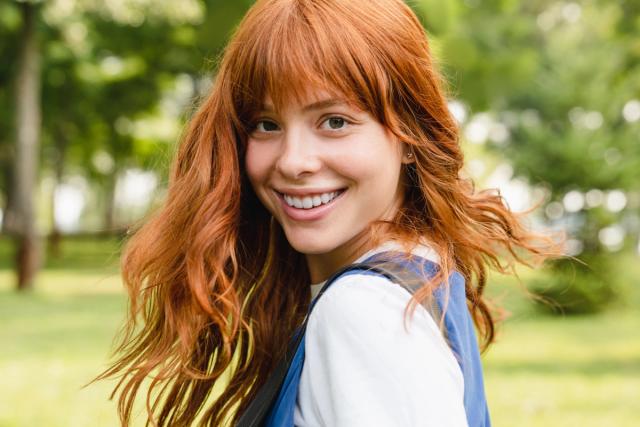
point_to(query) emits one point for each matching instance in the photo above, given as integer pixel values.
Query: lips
(301, 194)
(335, 194)
(312, 214)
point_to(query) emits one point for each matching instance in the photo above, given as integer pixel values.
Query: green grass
(58, 337)
(565, 370)
(542, 371)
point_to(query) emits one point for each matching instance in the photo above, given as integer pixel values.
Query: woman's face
(325, 170)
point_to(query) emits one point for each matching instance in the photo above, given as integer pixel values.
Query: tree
(96, 69)
(557, 78)
(10, 23)
(28, 122)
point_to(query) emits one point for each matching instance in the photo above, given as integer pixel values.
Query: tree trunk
(28, 122)
(6, 168)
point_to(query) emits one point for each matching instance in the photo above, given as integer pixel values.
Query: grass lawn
(543, 371)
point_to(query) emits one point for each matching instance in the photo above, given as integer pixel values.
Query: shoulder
(351, 293)
(363, 367)
(368, 302)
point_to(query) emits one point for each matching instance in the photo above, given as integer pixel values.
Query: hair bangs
(299, 47)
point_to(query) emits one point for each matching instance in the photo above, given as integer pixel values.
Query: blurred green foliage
(577, 287)
(554, 78)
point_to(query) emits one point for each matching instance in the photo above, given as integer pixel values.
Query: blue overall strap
(459, 329)
(281, 413)
(460, 333)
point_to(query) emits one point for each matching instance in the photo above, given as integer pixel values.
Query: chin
(310, 245)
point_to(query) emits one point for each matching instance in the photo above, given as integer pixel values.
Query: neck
(321, 266)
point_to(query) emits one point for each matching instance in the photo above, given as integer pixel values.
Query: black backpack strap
(257, 411)
(255, 414)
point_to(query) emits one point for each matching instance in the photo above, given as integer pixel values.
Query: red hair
(211, 276)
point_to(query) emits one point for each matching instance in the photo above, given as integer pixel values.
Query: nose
(298, 155)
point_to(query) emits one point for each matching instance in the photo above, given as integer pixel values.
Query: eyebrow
(319, 105)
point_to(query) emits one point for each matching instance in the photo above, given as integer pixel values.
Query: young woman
(325, 139)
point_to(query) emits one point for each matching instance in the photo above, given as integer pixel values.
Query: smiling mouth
(308, 203)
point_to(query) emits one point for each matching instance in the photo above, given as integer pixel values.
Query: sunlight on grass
(582, 371)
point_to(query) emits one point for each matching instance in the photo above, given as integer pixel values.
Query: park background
(93, 97)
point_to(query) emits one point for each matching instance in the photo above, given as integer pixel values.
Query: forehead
(313, 99)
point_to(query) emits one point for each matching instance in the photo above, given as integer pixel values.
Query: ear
(407, 154)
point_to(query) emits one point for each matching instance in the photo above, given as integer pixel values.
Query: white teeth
(309, 202)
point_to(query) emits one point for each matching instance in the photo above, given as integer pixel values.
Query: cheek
(257, 164)
(376, 161)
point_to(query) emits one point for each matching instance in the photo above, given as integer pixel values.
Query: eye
(265, 126)
(336, 123)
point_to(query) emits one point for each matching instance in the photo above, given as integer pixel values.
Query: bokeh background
(93, 97)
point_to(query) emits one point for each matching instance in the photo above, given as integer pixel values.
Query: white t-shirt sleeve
(363, 368)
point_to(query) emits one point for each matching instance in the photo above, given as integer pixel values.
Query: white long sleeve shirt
(362, 368)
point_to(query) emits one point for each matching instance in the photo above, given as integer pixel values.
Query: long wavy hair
(215, 289)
